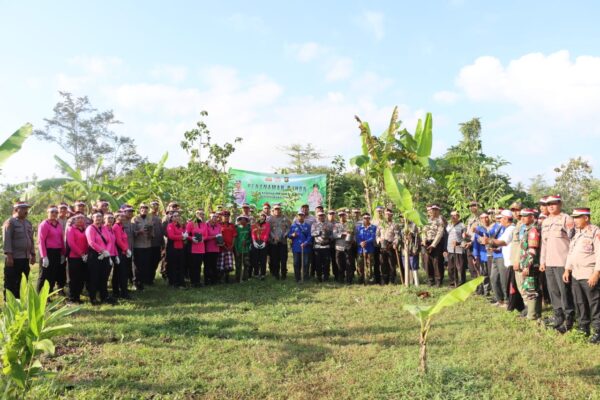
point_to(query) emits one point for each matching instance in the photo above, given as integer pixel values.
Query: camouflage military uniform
(388, 237)
(529, 263)
(433, 258)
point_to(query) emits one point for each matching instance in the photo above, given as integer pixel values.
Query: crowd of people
(526, 256)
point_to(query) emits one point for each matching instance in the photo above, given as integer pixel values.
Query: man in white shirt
(499, 273)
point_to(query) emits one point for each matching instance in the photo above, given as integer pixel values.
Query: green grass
(277, 340)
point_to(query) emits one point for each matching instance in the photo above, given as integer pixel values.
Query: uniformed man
(527, 268)
(331, 218)
(583, 269)
(471, 225)
(410, 242)
(247, 214)
(388, 237)
(431, 241)
(19, 250)
(557, 230)
(377, 219)
(157, 243)
(322, 233)
(300, 234)
(343, 233)
(143, 232)
(280, 227)
(366, 234)
(63, 218)
(454, 249)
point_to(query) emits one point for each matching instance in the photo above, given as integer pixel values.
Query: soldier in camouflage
(527, 268)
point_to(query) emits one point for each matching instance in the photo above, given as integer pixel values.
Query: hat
(300, 213)
(79, 203)
(527, 212)
(473, 204)
(103, 202)
(346, 210)
(319, 206)
(241, 217)
(454, 212)
(320, 213)
(491, 211)
(484, 215)
(433, 207)
(21, 204)
(498, 216)
(542, 216)
(173, 204)
(389, 210)
(366, 215)
(580, 212)
(154, 203)
(379, 208)
(544, 200)
(52, 208)
(516, 206)
(331, 212)
(277, 206)
(245, 205)
(341, 212)
(553, 199)
(506, 213)
(355, 210)
(143, 205)
(304, 205)
(226, 213)
(63, 205)
(266, 204)
(97, 212)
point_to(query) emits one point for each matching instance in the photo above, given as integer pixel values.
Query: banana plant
(384, 158)
(14, 142)
(424, 314)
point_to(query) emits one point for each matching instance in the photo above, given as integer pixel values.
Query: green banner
(257, 188)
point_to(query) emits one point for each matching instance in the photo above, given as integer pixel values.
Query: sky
(277, 73)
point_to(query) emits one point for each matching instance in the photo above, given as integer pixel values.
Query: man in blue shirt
(301, 247)
(365, 239)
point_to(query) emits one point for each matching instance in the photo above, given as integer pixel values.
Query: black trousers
(260, 261)
(278, 253)
(434, 265)
(587, 300)
(196, 268)
(560, 294)
(77, 276)
(120, 276)
(377, 264)
(242, 266)
(335, 270)
(388, 263)
(50, 272)
(345, 260)
(175, 267)
(323, 260)
(141, 266)
(61, 275)
(14, 274)
(211, 275)
(456, 264)
(98, 272)
(155, 256)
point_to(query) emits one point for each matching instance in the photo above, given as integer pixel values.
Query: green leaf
(426, 138)
(360, 161)
(160, 165)
(416, 216)
(419, 312)
(398, 193)
(16, 373)
(457, 295)
(45, 345)
(74, 174)
(51, 331)
(14, 143)
(23, 290)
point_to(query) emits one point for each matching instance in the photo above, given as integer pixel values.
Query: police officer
(388, 236)
(378, 218)
(278, 250)
(471, 225)
(454, 249)
(557, 230)
(143, 233)
(322, 233)
(331, 218)
(583, 269)
(409, 240)
(343, 233)
(431, 240)
(19, 249)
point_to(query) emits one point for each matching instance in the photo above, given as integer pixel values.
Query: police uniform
(278, 250)
(156, 247)
(322, 233)
(410, 242)
(582, 262)
(556, 233)
(343, 233)
(142, 247)
(18, 242)
(432, 235)
(388, 236)
(455, 253)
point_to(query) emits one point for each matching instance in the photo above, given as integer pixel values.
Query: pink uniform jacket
(94, 238)
(194, 228)
(50, 237)
(210, 242)
(121, 238)
(77, 242)
(112, 240)
(175, 234)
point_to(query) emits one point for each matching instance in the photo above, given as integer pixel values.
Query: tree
(573, 182)
(84, 133)
(538, 188)
(302, 158)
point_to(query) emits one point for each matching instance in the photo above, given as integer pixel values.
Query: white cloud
(340, 68)
(445, 96)
(172, 73)
(373, 22)
(306, 52)
(90, 69)
(96, 65)
(244, 22)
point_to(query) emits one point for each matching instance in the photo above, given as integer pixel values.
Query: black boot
(596, 338)
(566, 326)
(585, 330)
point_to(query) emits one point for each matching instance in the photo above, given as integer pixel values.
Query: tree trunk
(423, 352)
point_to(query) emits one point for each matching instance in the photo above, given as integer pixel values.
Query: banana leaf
(398, 193)
(14, 143)
(457, 295)
(425, 138)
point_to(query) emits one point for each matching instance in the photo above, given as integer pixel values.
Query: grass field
(278, 340)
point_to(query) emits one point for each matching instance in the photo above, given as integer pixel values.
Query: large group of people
(526, 256)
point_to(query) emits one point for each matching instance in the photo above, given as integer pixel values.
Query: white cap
(507, 213)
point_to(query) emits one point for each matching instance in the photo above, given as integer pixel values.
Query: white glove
(194, 240)
(185, 235)
(84, 258)
(101, 256)
(128, 253)
(110, 261)
(117, 260)
(255, 244)
(105, 254)
(45, 262)
(62, 259)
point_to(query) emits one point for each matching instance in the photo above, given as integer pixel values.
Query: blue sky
(276, 73)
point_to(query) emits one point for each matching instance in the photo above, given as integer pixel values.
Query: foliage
(14, 142)
(290, 198)
(334, 177)
(573, 182)
(424, 314)
(302, 158)
(86, 135)
(26, 328)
